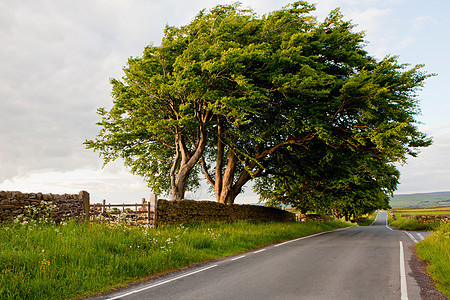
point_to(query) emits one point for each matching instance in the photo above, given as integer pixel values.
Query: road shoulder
(427, 287)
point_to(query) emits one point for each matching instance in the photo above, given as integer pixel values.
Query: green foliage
(407, 224)
(47, 261)
(406, 219)
(436, 250)
(258, 96)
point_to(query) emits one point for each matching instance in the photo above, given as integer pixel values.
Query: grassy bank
(405, 217)
(367, 220)
(44, 261)
(413, 224)
(436, 250)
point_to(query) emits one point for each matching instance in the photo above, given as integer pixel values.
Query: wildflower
(44, 265)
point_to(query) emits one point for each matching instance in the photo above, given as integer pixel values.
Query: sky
(57, 57)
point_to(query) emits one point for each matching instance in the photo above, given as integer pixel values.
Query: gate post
(153, 206)
(84, 197)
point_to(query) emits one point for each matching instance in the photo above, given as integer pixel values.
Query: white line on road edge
(239, 257)
(411, 237)
(302, 238)
(309, 236)
(161, 283)
(403, 286)
(258, 251)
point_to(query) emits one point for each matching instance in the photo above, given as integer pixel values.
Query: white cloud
(430, 171)
(57, 57)
(113, 183)
(420, 22)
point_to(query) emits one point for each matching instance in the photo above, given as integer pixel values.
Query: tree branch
(205, 171)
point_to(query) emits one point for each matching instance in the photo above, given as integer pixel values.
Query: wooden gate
(138, 213)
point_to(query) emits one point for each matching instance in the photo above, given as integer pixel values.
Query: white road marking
(161, 283)
(343, 228)
(309, 236)
(403, 286)
(213, 266)
(302, 238)
(411, 237)
(239, 257)
(258, 251)
(389, 228)
(421, 236)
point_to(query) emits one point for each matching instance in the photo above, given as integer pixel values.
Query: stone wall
(425, 219)
(73, 206)
(177, 212)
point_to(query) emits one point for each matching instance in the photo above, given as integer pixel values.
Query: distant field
(399, 211)
(440, 210)
(421, 200)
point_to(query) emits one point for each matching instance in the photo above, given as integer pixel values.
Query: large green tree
(232, 90)
(343, 182)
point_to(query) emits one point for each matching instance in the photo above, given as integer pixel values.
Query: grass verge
(414, 225)
(367, 220)
(45, 261)
(436, 250)
(410, 222)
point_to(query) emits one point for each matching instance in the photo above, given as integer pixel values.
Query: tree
(233, 90)
(345, 183)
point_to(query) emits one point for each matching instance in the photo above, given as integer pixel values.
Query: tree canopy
(282, 97)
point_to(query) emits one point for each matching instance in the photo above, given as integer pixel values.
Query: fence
(145, 212)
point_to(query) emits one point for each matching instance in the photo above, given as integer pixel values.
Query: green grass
(436, 250)
(44, 261)
(438, 210)
(414, 224)
(410, 223)
(367, 220)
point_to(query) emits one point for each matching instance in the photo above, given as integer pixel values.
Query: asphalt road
(351, 263)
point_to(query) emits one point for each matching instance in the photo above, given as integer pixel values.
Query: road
(351, 263)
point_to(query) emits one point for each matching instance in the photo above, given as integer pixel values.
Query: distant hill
(421, 199)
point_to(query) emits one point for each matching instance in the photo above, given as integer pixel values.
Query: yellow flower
(44, 265)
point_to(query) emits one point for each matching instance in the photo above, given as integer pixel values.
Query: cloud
(420, 22)
(430, 171)
(57, 58)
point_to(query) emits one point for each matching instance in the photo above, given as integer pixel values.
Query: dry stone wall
(72, 206)
(425, 219)
(178, 212)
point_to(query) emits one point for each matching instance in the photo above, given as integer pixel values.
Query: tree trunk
(230, 189)
(179, 188)
(187, 162)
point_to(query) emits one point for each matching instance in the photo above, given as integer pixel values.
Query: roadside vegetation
(47, 261)
(405, 217)
(436, 250)
(366, 220)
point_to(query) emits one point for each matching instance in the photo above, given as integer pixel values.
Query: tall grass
(436, 250)
(411, 223)
(47, 261)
